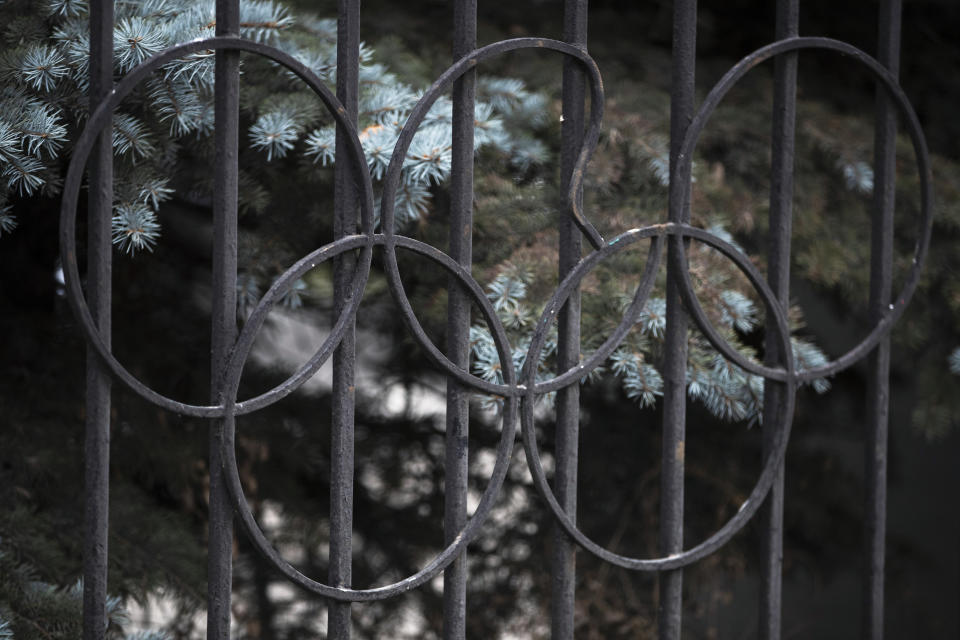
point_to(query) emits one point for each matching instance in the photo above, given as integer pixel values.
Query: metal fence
(351, 254)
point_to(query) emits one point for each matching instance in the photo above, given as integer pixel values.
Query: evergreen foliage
(31, 607)
(46, 80)
(44, 94)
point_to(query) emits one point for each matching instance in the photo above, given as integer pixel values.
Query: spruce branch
(135, 228)
(412, 202)
(9, 138)
(41, 130)
(809, 356)
(22, 174)
(42, 67)
(196, 70)
(378, 141)
(134, 40)
(66, 8)
(321, 145)
(262, 21)
(504, 94)
(737, 311)
(143, 185)
(8, 221)
(388, 105)
(131, 137)
(74, 41)
(430, 157)
(275, 132)
(488, 128)
(857, 175)
(641, 381)
(175, 101)
(653, 318)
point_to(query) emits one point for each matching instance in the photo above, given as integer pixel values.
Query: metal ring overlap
(230, 386)
(787, 377)
(576, 373)
(519, 395)
(68, 213)
(681, 192)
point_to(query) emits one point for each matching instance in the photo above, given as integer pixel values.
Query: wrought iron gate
(351, 254)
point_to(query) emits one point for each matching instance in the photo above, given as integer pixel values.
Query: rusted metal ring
(392, 178)
(786, 376)
(71, 190)
(682, 192)
(231, 382)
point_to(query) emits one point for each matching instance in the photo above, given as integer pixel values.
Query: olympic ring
(784, 418)
(391, 182)
(68, 214)
(231, 382)
(682, 193)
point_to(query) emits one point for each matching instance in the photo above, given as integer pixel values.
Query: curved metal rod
(682, 191)
(392, 179)
(782, 430)
(647, 281)
(71, 189)
(231, 382)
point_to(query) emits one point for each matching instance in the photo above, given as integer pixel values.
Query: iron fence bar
(778, 275)
(458, 322)
(683, 70)
(563, 561)
(224, 311)
(346, 205)
(878, 363)
(99, 272)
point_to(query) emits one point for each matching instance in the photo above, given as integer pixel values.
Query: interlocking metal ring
(682, 192)
(232, 380)
(68, 215)
(782, 425)
(392, 177)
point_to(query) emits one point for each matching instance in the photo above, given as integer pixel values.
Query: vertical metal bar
(675, 356)
(458, 322)
(99, 264)
(878, 384)
(568, 333)
(344, 357)
(778, 275)
(224, 313)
